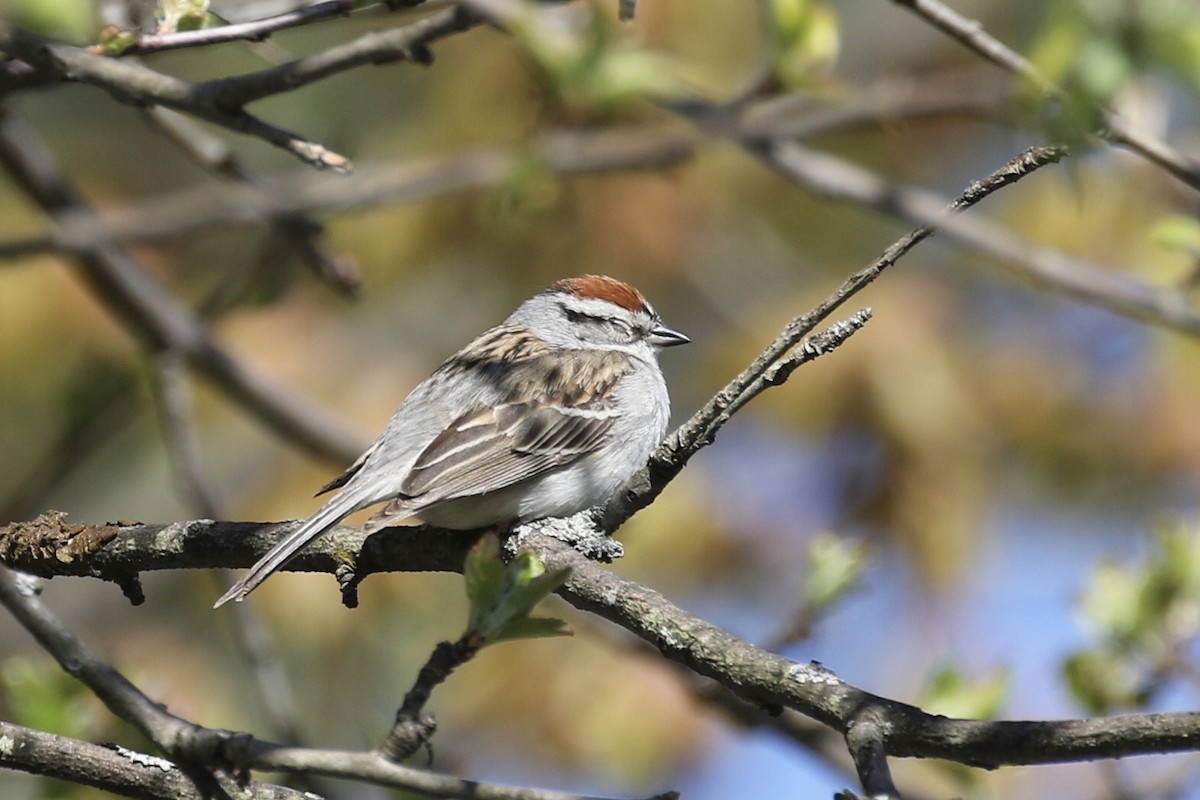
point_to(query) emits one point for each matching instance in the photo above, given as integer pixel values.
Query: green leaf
(1112, 602)
(182, 15)
(804, 40)
(484, 575)
(44, 697)
(1177, 232)
(531, 628)
(1101, 681)
(950, 693)
(502, 596)
(835, 567)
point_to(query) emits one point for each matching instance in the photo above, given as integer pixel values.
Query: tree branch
(154, 315)
(252, 30)
(118, 770)
(971, 34)
(753, 674)
(130, 82)
(405, 43)
(670, 458)
(205, 750)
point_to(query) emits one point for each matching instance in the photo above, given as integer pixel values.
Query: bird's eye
(620, 326)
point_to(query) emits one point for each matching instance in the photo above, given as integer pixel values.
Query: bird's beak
(662, 336)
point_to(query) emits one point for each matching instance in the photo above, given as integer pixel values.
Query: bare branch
(406, 43)
(118, 770)
(837, 179)
(18, 595)
(302, 232)
(772, 680)
(174, 214)
(152, 313)
(865, 740)
(699, 431)
(413, 728)
(197, 745)
(971, 34)
(130, 82)
(755, 675)
(178, 431)
(252, 30)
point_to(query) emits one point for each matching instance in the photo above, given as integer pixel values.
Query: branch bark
(755, 675)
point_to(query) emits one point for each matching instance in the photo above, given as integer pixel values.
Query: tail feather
(330, 514)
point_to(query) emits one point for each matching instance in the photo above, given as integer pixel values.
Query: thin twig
(865, 741)
(253, 30)
(117, 769)
(152, 313)
(178, 430)
(408, 42)
(110, 404)
(755, 675)
(972, 35)
(301, 231)
(131, 82)
(253, 639)
(413, 728)
(187, 742)
(701, 428)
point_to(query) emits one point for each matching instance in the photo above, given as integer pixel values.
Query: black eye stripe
(579, 316)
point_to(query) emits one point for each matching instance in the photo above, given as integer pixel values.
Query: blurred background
(1012, 475)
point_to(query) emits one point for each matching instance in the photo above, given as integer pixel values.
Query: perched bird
(544, 415)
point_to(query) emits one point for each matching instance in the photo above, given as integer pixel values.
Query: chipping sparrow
(544, 415)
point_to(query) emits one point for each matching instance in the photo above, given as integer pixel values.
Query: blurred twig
(833, 178)
(253, 638)
(153, 314)
(300, 231)
(222, 101)
(178, 213)
(697, 432)
(111, 404)
(251, 30)
(971, 34)
(178, 431)
(187, 743)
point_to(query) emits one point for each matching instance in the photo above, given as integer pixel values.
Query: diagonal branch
(222, 101)
(699, 431)
(301, 232)
(131, 82)
(116, 769)
(755, 675)
(213, 749)
(970, 33)
(406, 43)
(255, 30)
(833, 178)
(156, 316)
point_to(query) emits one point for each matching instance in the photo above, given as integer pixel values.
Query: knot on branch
(410, 733)
(30, 546)
(581, 531)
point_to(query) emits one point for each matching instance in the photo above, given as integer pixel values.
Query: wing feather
(489, 449)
